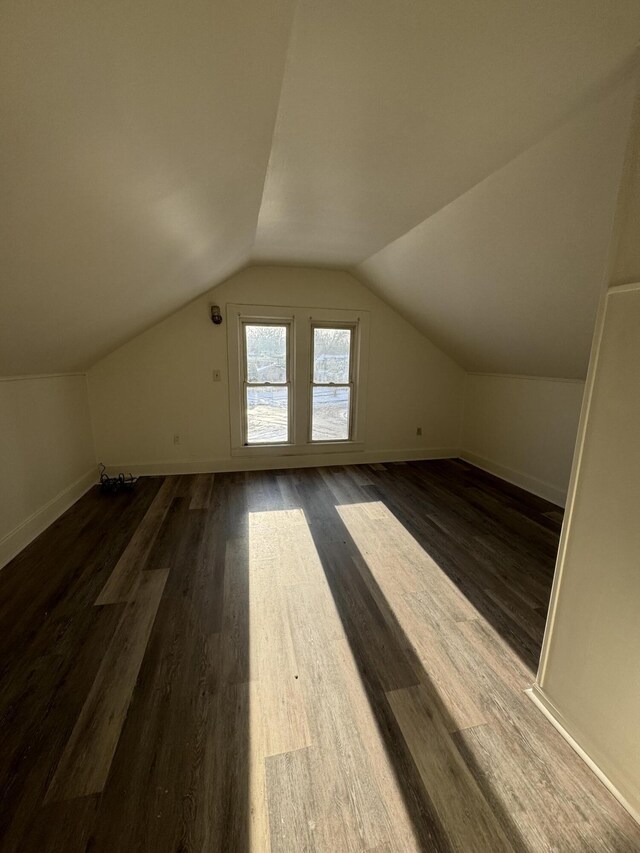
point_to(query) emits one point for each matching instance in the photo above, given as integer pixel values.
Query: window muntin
(267, 382)
(332, 382)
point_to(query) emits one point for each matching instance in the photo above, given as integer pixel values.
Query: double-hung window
(297, 379)
(267, 382)
(332, 381)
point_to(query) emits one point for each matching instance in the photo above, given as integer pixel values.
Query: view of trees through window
(331, 352)
(266, 353)
(331, 391)
(268, 390)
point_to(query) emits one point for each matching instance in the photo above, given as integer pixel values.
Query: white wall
(590, 669)
(523, 429)
(47, 456)
(160, 383)
(626, 262)
(589, 676)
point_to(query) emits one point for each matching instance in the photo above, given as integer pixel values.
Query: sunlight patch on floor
(384, 542)
(306, 691)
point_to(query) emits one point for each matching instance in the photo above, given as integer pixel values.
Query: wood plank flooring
(308, 660)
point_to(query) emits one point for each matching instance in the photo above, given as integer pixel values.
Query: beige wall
(590, 670)
(626, 266)
(523, 429)
(507, 277)
(46, 454)
(160, 383)
(589, 677)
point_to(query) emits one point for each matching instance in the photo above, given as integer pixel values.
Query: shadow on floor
(495, 542)
(387, 662)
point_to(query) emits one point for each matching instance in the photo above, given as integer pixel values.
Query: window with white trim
(297, 379)
(266, 398)
(332, 381)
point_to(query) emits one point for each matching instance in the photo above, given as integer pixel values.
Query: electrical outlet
(217, 376)
(176, 439)
(419, 431)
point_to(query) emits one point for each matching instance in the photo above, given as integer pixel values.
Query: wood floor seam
(331, 660)
(84, 765)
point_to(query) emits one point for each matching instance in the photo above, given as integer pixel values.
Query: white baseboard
(555, 717)
(13, 542)
(554, 494)
(269, 463)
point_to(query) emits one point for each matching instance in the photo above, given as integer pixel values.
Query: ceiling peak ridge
(285, 64)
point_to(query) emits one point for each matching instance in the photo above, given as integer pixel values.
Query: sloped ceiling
(134, 142)
(508, 276)
(464, 158)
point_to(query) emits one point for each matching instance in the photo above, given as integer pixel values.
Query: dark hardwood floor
(321, 659)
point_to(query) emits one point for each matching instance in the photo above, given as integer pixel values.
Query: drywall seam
(548, 491)
(15, 540)
(223, 464)
(546, 706)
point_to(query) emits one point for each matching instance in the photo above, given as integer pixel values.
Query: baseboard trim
(266, 463)
(542, 489)
(546, 706)
(17, 539)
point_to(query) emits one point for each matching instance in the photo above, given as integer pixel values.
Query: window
(267, 383)
(331, 383)
(297, 380)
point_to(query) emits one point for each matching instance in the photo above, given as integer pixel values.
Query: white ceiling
(135, 139)
(390, 109)
(508, 276)
(134, 142)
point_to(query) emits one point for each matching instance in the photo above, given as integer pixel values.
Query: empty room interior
(320, 426)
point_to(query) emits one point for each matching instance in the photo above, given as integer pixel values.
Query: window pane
(330, 414)
(331, 353)
(266, 353)
(267, 415)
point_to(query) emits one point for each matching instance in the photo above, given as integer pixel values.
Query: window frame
(300, 353)
(288, 384)
(351, 383)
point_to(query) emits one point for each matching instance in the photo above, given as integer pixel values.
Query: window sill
(309, 449)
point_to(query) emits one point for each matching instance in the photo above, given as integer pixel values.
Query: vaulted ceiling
(463, 159)
(507, 277)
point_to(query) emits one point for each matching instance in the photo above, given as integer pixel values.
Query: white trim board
(256, 463)
(17, 539)
(576, 463)
(546, 706)
(548, 491)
